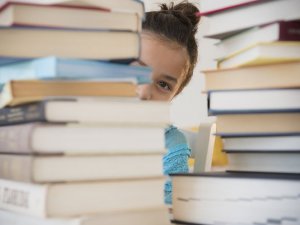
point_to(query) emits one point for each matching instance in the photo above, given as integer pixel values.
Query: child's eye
(164, 85)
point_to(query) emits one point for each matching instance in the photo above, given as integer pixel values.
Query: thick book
(208, 7)
(278, 31)
(134, 6)
(229, 22)
(156, 216)
(63, 68)
(109, 111)
(69, 43)
(235, 198)
(18, 92)
(263, 53)
(254, 101)
(264, 161)
(262, 143)
(16, 14)
(81, 198)
(258, 124)
(45, 138)
(65, 168)
(280, 75)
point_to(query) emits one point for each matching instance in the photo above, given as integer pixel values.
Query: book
(135, 6)
(63, 68)
(254, 101)
(109, 111)
(279, 75)
(235, 198)
(81, 198)
(230, 21)
(208, 7)
(68, 43)
(18, 92)
(263, 53)
(277, 31)
(16, 14)
(65, 168)
(264, 161)
(262, 143)
(258, 123)
(157, 216)
(45, 138)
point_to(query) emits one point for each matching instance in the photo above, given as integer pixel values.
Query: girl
(170, 49)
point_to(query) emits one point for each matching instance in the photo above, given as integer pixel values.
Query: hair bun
(185, 9)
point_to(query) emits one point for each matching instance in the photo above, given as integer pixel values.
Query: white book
(156, 216)
(74, 199)
(46, 138)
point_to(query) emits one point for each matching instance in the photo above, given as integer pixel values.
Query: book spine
(24, 198)
(16, 167)
(16, 139)
(289, 31)
(23, 114)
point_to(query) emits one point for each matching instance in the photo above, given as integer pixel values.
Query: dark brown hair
(177, 23)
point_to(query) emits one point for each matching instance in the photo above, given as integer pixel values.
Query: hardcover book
(64, 68)
(80, 198)
(47, 138)
(18, 92)
(109, 111)
(69, 43)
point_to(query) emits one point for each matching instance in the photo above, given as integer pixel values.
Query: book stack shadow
(255, 96)
(76, 144)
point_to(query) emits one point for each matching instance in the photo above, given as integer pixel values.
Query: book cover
(48, 138)
(101, 111)
(64, 68)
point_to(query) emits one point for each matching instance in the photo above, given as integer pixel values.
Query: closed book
(109, 111)
(263, 53)
(16, 14)
(18, 92)
(64, 168)
(226, 23)
(262, 143)
(44, 138)
(278, 31)
(135, 6)
(235, 198)
(66, 69)
(259, 123)
(81, 198)
(254, 101)
(280, 75)
(69, 43)
(264, 161)
(156, 216)
(208, 7)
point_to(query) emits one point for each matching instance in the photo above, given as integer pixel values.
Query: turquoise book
(63, 68)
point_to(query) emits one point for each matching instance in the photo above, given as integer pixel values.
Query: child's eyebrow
(141, 62)
(170, 78)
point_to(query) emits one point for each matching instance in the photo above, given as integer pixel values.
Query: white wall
(189, 109)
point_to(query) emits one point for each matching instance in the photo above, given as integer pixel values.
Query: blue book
(61, 68)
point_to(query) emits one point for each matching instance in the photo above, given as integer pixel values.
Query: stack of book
(255, 96)
(76, 144)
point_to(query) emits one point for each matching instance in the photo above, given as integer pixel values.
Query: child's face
(168, 62)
